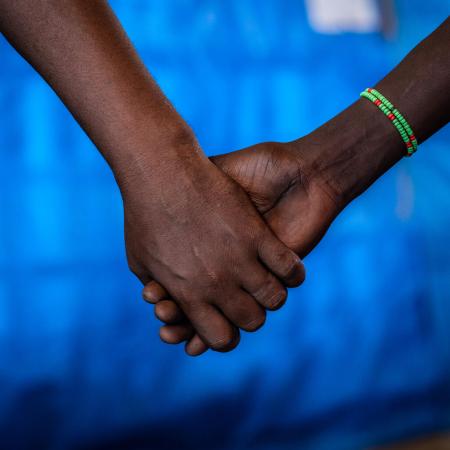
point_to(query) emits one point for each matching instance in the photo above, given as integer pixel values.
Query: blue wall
(361, 352)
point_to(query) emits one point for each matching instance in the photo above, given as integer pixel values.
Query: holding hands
(199, 234)
(296, 207)
(298, 188)
(217, 242)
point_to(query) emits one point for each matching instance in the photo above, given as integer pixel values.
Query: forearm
(355, 148)
(81, 50)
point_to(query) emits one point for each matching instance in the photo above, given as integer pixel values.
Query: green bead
(399, 122)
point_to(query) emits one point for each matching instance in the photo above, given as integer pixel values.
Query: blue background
(360, 354)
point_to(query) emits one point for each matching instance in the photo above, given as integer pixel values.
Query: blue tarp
(359, 355)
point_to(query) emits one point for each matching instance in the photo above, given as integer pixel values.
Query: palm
(299, 213)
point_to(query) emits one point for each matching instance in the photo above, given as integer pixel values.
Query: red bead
(408, 144)
(391, 116)
(377, 102)
(412, 137)
(369, 90)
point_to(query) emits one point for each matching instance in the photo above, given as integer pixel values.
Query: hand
(200, 235)
(300, 187)
(295, 204)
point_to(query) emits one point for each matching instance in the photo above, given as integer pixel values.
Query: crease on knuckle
(222, 344)
(292, 270)
(276, 300)
(255, 323)
(264, 290)
(270, 295)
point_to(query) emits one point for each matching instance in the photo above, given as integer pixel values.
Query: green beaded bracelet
(395, 116)
(396, 113)
(387, 113)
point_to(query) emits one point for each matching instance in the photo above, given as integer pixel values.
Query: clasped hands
(226, 245)
(217, 242)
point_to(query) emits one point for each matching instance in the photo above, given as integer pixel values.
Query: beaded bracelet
(393, 114)
(397, 114)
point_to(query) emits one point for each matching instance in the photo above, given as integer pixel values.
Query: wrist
(347, 154)
(152, 157)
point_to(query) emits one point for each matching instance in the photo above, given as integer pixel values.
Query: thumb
(301, 219)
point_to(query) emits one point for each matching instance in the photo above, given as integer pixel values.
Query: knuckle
(271, 294)
(221, 344)
(288, 264)
(265, 289)
(292, 270)
(255, 323)
(276, 300)
(224, 343)
(210, 282)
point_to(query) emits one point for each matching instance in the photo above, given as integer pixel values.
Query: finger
(153, 292)
(195, 346)
(281, 261)
(244, 312)
(214, 329)
(175, 334)
(169, 312)
(265, 288)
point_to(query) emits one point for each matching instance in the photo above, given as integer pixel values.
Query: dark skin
(187, 224)
(301, 186)
(201, 237)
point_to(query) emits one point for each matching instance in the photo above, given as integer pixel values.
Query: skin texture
(301, 186)
(198, 234)
(209, 244)
(273, 177)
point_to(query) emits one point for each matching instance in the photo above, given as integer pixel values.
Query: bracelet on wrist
(394, 115)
